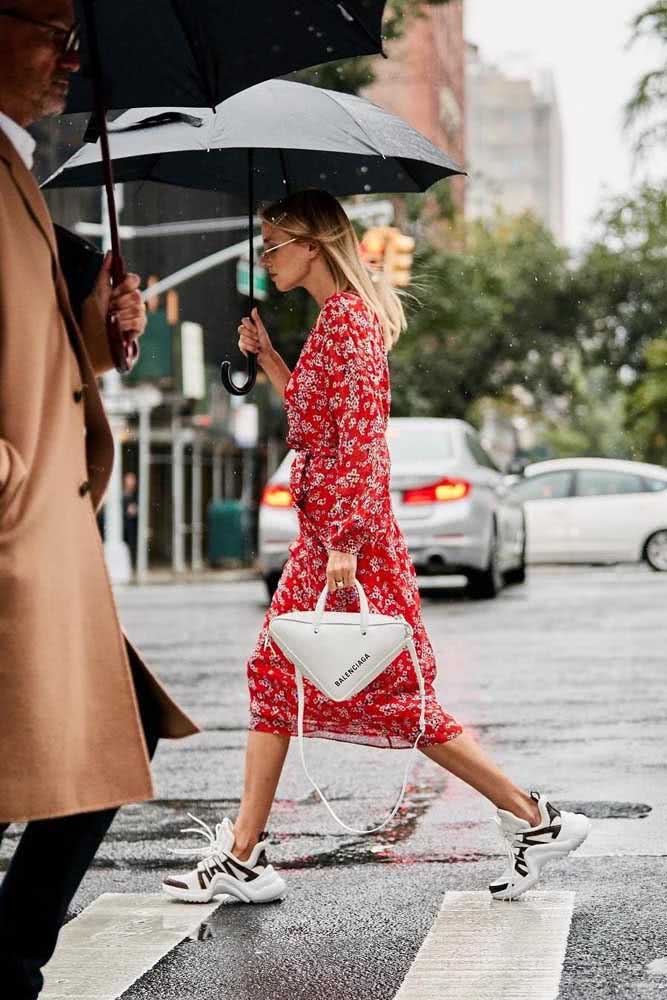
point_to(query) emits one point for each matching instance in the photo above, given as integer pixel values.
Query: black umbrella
(269, 140)
(197, 53)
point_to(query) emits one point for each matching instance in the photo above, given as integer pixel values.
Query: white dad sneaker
(529, 848)
(250, 881)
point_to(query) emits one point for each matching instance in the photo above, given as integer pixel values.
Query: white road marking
(115, 941)
(481, 949)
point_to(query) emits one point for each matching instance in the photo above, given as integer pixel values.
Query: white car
(451, 502)
(595, 510)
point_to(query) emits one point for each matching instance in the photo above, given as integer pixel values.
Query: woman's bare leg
(264, 759)
(463, 757)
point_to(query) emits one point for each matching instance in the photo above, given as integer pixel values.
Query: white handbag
(341, 653)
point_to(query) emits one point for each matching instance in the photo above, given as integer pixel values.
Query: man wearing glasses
(79, 712)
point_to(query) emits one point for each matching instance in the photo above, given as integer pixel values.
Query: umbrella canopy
(269, 140)
(302, 137)
(198, 52)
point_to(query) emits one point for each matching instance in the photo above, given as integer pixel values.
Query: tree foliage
(646, 405)
(646, 111)
(489, 316)
(622, 281)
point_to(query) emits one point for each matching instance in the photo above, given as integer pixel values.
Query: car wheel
(518, 574)
(271, 581)
(655, 551)
(488, 582)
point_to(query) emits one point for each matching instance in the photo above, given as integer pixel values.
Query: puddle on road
(378, 848)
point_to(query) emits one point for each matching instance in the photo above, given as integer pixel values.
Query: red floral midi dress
(337, 401)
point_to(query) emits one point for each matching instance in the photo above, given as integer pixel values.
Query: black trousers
(44, 873)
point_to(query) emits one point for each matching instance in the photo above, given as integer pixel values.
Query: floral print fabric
(337, 402)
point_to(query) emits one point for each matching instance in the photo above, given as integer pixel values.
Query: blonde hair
(319, 217)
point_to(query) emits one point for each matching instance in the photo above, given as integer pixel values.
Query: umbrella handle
(123, 347)
(230, 386)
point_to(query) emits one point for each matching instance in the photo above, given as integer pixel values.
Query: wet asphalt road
(562, 680)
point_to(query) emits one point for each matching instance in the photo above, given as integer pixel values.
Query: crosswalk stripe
(115, 941)
(481, 949)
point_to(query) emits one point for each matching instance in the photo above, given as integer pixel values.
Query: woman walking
(337, 401)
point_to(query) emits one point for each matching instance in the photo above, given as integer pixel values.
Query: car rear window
(413, 442)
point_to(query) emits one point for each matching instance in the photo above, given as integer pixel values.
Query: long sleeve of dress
(357, 384)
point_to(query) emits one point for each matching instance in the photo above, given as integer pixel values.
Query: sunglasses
(269, 250)
(67, 40)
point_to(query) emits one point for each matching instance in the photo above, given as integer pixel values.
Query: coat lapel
(29, 190)
(99, 443)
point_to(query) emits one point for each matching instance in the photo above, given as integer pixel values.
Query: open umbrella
(197, 53)
(269, 140)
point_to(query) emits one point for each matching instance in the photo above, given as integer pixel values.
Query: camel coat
(70, 735)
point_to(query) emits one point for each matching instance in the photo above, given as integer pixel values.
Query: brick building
(423, 81)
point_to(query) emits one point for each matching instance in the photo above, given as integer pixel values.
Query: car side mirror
(516, 467)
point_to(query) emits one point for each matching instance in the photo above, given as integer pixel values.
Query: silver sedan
(451, 502)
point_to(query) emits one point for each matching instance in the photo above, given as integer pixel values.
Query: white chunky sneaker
(251, 881)
(529, 848)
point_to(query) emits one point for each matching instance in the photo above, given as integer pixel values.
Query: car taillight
(443, 490)
(275, 495)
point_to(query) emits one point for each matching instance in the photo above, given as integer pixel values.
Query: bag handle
(409, 645)
(363, 608)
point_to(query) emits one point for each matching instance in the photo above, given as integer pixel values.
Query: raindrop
(329, 49)
(323, 177)
(368, 187)
(364, 169)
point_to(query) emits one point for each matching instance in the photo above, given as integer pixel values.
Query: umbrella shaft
(251, 227)
(117, 267)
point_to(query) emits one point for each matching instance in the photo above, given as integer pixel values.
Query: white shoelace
(213, 839)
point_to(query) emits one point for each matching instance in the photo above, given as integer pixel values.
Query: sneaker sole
(262, 890)
(580, 830)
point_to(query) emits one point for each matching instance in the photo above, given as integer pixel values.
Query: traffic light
(386, 249)
(398, 254)
(372, 246)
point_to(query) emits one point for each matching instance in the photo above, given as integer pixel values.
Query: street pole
(217, 472)
(143, 487)
(197, 528)
(177, 500)
(116, 552)
(229, 476)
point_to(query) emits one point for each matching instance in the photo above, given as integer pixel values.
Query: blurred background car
(453, 504)
(595, 510)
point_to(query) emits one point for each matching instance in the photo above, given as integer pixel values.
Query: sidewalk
(207, 575)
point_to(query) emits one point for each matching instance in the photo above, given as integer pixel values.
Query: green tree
(646, 405)
(622, 281)
(588, 417)
(489, 316)
(646, 111)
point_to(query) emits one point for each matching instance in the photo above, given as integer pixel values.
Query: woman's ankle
(244, 844)
(523, 807)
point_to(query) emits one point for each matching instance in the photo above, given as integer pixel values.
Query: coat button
(77, 395)
(84, 488)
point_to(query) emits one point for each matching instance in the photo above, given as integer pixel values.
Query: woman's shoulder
(348, 313)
